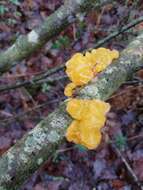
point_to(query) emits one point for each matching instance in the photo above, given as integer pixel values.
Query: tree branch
(28, 154)
(25, 45)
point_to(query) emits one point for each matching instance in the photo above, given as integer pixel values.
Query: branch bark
(28, 154)
(25, 45)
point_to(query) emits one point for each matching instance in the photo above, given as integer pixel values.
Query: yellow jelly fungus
(69, 89)
(87, 136)
(73, 133)
(83, 68)
(90, 58)
(115, 54)
(78, 70)
(77, 108)
(90, 117)
(90, 137)
(104, 57)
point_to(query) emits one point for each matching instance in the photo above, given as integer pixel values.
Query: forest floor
(117, 164)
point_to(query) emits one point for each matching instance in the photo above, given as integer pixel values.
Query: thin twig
(31, 82)
(129, 139)
(124, 91)
(120, 31)
(134, 176)
(135, 137)
(21, 115)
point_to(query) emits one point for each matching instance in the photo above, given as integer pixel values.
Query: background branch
(25, 45)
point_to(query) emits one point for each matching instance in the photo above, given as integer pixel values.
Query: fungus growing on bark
(79, 70)
(69, 89)
(103, 57)
(89, 115)
(83, 68)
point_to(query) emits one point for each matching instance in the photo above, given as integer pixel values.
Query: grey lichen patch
(127, 62)
(38, 130)
(90, 91)
(110, 70)
(73, 3)
(11, 48)
(58, 122)
(40, 161)
(138, 55)
(35, 140)
(136, 42)
(60, 14)
(23, 157)
(79, 2)
(122, 61)
(140, 36)
(139, 52)
(127, 52)
(53, 137)
(5, 178)
(11, 158)
(33, 37)
(104, 82)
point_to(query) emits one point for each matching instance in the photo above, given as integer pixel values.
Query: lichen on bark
(25, 45)
(33, 149)
(25, 157)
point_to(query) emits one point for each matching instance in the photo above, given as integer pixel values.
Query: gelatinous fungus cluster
(83, 68)
(89, 115)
